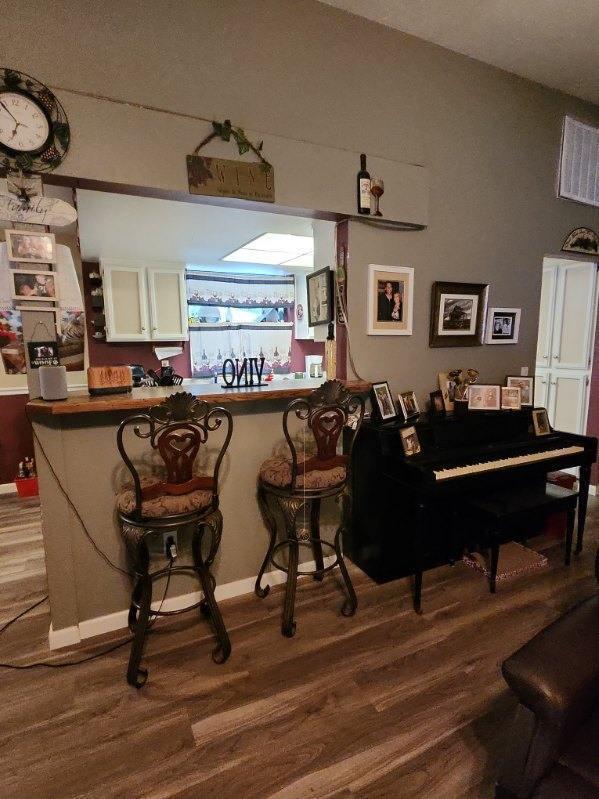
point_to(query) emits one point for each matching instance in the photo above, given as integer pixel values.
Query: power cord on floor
(48, 665)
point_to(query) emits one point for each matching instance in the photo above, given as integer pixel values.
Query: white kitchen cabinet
(144, 303)
(168, 303)
(565, 343)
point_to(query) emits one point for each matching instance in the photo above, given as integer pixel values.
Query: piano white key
(505, 463)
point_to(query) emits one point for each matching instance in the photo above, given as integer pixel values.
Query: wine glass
(377, 189)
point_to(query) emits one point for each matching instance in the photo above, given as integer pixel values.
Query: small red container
(27, 486)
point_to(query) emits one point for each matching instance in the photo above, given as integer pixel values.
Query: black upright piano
(405, 511)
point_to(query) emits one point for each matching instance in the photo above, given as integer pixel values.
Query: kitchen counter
(139, 398)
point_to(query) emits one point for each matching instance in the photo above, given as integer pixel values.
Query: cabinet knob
(154, 328)
(143, 330)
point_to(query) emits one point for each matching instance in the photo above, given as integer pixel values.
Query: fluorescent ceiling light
(301, 260)
(275, 248)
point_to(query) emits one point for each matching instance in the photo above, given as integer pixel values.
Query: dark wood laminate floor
(387, 705)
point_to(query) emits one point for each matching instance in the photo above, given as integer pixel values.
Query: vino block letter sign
(222, 177)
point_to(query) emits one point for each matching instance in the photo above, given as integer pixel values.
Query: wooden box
(109, 380)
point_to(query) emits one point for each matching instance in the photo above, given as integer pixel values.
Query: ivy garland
(226, 132)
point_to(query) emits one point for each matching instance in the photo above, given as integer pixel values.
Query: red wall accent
(593, 418)
(15, 437)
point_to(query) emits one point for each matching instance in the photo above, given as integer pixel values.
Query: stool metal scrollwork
(306, 482)
(176, 429)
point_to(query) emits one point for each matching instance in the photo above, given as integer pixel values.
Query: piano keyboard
(506, 463)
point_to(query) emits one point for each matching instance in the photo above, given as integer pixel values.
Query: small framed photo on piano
(540, 422)
(526, 386)
(408, 404)
(484, 398)
(382, 402)
(410, 441)
(511, 398)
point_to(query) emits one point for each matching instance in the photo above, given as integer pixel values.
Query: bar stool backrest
(177, 428)
(327, 410)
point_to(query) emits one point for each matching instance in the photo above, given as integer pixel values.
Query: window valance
(240, 291)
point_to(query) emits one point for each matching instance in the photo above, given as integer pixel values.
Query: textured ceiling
(553, 42)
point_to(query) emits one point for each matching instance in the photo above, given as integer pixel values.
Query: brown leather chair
(554, 745)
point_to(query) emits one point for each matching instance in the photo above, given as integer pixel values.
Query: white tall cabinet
(144, 302)
(567, 321)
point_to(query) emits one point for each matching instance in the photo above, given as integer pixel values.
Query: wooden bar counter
(78, 436)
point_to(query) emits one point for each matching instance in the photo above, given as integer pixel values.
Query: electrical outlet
(166, 537)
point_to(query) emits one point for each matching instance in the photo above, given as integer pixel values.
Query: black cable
(89, 536)
(47, 665)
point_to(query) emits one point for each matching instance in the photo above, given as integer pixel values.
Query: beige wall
(299, 69)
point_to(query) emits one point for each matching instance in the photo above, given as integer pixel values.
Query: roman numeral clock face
(24, 127)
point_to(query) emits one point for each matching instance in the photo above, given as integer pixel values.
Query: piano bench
(499, 515)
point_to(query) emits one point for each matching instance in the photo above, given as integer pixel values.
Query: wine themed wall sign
(249, 370)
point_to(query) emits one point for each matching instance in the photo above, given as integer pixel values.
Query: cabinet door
(546, 315)
(541, 398)
(567, 406)
(168, 303)
(125, 302)
(575, 307)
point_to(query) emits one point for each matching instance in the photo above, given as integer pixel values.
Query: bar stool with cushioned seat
(168, 503)
(299, 483)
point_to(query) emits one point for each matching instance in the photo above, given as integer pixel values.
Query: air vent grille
(579, 164)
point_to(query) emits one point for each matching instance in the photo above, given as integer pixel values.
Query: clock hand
(7, 111)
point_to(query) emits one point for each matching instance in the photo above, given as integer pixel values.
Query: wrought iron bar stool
(300, 483)
(170, 502)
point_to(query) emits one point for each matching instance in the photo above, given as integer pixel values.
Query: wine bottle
(363, 187)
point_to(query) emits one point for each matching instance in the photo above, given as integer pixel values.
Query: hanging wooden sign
(223, 177)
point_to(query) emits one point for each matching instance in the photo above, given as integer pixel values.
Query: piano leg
(569, 535)
(584, 480)
(420, 529)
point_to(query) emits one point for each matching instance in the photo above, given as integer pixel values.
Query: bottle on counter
(330, 354)
(363, 187)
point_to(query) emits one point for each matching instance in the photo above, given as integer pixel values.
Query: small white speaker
(53, 382)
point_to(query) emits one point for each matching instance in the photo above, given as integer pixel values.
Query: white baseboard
(89, 628)
(8, 488)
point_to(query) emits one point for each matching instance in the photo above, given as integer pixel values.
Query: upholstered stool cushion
(277, 472)
(164, 505)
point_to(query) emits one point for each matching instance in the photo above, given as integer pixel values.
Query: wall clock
(34, 130)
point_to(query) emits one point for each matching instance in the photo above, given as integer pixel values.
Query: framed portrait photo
(34, 285)
(484, 398)
(526, 386)
(540, 422)
(31, 247)
(408, 404)
(458, 312)
(320, 288)
(503, 325)
(382, 401)
(447, 388)
(511, 398)
(410, 441)
(437, 404)
(390, 300)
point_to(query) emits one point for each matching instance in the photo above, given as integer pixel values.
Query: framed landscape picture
(458, 312)
(390, 300)
(503, 326)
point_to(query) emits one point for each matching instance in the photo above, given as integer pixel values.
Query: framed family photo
(320, 288)
(484, 398)
(31, 247)
(390, 300)
(511, 398)
(503, 325)
(447, 388)
(34, 285)
(408, 404)
(409, 441)
(540, 422)
(526, 386)
(382, 401)
(458, 312)
(437, 404)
